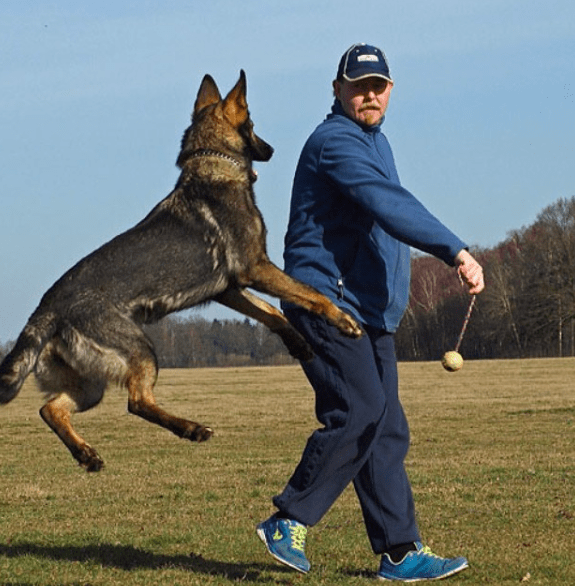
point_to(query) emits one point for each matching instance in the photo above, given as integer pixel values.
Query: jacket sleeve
(367, 176)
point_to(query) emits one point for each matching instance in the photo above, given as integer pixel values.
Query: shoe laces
(426, 550)
(298, 534)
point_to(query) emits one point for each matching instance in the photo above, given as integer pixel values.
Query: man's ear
(336, 88)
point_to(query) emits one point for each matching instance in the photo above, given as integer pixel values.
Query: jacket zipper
(340, 288)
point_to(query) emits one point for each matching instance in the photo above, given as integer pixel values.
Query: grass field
(492, 465)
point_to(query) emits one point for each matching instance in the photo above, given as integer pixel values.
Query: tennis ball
(452, 361)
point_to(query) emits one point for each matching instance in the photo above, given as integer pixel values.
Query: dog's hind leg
(70, 393)
(57, 413)
(141, 378)
(251, 305)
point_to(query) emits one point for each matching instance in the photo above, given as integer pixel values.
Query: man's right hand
(470, 272)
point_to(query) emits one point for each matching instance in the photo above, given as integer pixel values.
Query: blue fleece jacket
(351, 223)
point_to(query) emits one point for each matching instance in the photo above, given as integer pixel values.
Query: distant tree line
(193, 341)
(526, 310)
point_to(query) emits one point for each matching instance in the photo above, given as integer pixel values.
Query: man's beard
(371, 115)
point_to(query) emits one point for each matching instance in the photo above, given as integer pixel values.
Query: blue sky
(94, 98)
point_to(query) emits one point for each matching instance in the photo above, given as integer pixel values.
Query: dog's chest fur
(231, 223)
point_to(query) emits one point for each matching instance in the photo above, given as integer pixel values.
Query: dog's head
(223, 124)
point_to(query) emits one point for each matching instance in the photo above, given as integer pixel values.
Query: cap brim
(366, 75)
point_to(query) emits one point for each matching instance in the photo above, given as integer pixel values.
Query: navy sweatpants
(364, 438)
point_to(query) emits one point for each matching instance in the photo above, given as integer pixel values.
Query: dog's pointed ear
(235, 103)
(208, 94)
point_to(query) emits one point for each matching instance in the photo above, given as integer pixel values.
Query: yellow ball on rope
(452, 361)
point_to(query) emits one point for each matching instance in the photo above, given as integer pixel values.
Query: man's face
(364, 101)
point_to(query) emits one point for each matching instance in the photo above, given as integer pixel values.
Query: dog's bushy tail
(20, 362)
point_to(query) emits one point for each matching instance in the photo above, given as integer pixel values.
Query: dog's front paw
(303, 352)
(296, 344)
(348, 326)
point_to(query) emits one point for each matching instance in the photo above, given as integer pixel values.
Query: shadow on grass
(125, 557)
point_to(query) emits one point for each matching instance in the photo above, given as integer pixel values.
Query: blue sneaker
(285, 540)
(420, 565)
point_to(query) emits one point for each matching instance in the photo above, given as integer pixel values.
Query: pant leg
(352, 405)
(382, 485)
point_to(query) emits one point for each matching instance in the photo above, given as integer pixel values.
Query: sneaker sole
(262, 535)
(459, 569)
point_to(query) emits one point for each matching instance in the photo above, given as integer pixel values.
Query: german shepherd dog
(205, 241)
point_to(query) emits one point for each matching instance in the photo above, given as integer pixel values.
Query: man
(350, 228)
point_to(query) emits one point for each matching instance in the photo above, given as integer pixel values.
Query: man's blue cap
(361, 61)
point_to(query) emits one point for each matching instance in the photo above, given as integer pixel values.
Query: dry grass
(492, 467)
